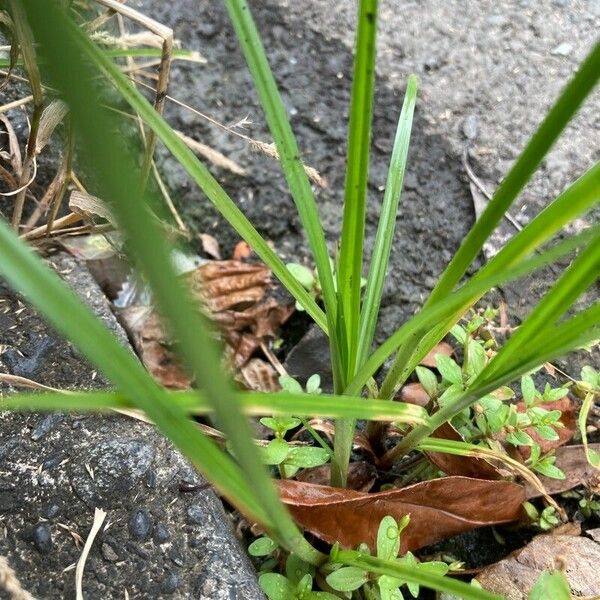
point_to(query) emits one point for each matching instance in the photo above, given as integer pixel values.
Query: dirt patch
(314, 74)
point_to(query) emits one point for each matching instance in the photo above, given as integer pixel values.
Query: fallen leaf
(565, 433)
(577, 557)
(264, 319)
(441, 348)
(414, 393)
(465, 466)
(210, 245)
(242, 250)
(573, 462)
(229, 284)
(152, 344)
(90, 207)
(258, 375)
(236, 296)
(361, 475)
(439, 508)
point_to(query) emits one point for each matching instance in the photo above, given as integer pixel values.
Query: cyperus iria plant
(70, 64)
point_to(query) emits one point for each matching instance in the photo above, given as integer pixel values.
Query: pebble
(140, 524)
(176, 555)
(45, 425)
(470, 127)
(161, 534)
(170, 583)
(563, 49)
(53, 460)
(196, 514)
(108, 553)
(42, 538)
(52, 511)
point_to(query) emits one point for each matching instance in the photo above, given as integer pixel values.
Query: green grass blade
(252, 403)
(542, 140)
(387, 223)
(412, 575)
(285, 142)
(547, 133)
(582, 273)
(42, 287)
(350, 259)
(119, 183)
(574, 201)
(200, 174)
(441, 311)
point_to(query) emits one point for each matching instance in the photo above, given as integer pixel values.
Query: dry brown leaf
(414, 393)
(242, 250)
(361, 475)
(14, 150)
(259, 375)
(438, 508)
(441, 348)
(573, 462)
(228, 284)
(210, 245)
(565, 433)
(466, 466)
(89, 206)
(153, 346)
(264, 319)
(52, 116)
(514, 576)
(233, 294)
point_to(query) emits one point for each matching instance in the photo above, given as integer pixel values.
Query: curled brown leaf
(438, 509)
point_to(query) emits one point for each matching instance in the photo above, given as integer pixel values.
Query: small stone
(52, 511)
(108, 553)
(42, 538)
(161, 534)
(45, 425)
(170, 583)
(140, 524)
(150, 478)
(563, 49)
(53, 460)
(176, 556)
(196, 514)
(470, 127)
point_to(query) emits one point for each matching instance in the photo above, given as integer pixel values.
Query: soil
(487, 70)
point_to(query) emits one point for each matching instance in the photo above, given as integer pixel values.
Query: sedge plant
(348, 314)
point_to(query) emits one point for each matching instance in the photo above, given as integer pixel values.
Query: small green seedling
(278, 452)
(551, 584)
(545, 520)
(309, 280)
(384, 587)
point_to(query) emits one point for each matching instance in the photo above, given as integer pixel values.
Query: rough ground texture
(162, 541)
(488, 72)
